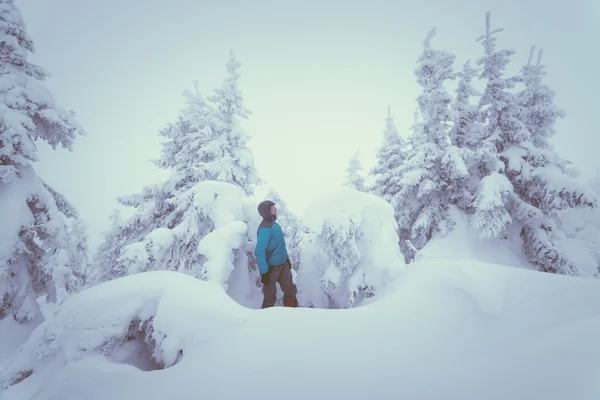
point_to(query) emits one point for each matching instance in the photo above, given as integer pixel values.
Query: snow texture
(445, 329)
(349, 249)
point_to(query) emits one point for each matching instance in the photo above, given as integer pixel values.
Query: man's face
(273, 210)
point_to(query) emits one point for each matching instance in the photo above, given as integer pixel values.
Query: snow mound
(151, 308)
(445, 329)
(349, 249)
(462, 242)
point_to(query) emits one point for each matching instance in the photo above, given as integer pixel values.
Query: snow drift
(349, 249)
(445, 330)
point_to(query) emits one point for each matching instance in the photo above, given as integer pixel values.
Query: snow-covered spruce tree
(354, 177)
(205, 196)
(107, 252)
(434, 173)
(238, 161)
(524, 184)
(389, 159)
(37, 254)
(466, 116)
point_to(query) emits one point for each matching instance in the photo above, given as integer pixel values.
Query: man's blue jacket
(270, 243)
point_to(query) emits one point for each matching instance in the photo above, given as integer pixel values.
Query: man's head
(267, 209)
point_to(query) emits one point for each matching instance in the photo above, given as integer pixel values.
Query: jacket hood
(264, 209)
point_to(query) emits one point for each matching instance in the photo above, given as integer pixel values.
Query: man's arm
(264, 234)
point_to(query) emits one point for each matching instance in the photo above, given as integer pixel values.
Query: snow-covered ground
(447, 329)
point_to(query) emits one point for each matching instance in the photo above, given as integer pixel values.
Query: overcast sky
(317, 75)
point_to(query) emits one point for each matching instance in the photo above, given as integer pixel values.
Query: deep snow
(447, 329)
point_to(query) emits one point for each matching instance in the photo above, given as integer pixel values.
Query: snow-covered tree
(238, 160)
(390, 157)
(354, 176)
(434, 173)
(38, 254)
(523, 181)
(467, 117)
(349, 249)
(107, 252)
(205, 197)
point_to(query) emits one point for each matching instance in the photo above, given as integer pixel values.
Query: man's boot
(290, 302)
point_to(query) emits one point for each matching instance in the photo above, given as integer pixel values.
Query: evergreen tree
(38, 255)
(466, 116)
(523, 181)
(212, 170)
(238, 160)
(390, 157)
(354, 177)
(433, 175)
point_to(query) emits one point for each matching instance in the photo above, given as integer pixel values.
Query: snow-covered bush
(143, 320)
(349, 249)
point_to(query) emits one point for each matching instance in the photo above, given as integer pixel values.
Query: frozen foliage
(42, 240)
(434, 174)
(207, 143)
(477, 330)
(390, 157)
(42, 246)
(354, 176)
(237, 159)
(177, 225)
(349, 249)
(203, 231)
(27, 109)
(466, 119)
(522, 180)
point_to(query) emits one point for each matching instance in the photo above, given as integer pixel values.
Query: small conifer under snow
(199, 221)
(390, 157)
(354, 176)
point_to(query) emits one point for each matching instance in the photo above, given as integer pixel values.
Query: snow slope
(454, 329)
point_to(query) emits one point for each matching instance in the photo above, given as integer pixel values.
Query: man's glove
(265, 278)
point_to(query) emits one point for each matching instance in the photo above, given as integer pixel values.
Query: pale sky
(317, 75)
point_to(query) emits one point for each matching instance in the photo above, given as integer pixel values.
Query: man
(272, 257)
